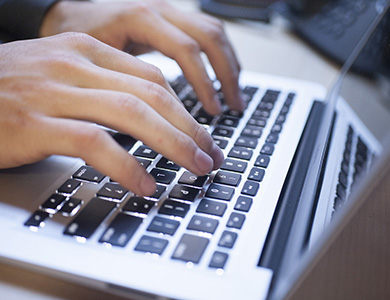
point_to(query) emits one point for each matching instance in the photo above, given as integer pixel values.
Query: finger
(96, 147)
(129, 114)
(210, 35)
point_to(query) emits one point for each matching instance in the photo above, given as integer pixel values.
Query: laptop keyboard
(197, 204)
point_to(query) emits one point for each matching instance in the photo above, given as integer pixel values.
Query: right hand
(53, 90)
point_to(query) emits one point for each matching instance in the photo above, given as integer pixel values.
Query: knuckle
(189, 46)
(88, 139)
(155, 75)
(157, 94)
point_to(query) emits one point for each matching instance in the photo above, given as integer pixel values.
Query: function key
(163, 225)
(174, 208)
(69, 186)
(37, 219)
(250, 188)
(112, 190)
(267, 149)
(192, 179)
(236, 220)
(139, 205)
(203, 224)
(218, 260)
(262, 161)
(146, 152)
(120, 230)
(243, 204)
(227, 239)
(190, 248)
(88, 173)
(151, 244)
(89, 219)
(163, 176)
(52, 204)
(256, 174)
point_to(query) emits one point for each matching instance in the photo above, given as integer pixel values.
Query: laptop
(296, 160)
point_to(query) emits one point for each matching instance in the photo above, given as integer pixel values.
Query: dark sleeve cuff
(22, 19)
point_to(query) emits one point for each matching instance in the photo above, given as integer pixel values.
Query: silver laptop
(246, 231)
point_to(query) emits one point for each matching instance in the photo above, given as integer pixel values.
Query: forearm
(22, 19)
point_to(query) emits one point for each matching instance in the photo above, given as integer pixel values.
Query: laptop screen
(364, 89)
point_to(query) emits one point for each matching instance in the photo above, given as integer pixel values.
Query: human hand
(53, 90)
(159, 25)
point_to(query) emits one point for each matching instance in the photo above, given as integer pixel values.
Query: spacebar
(90, 218)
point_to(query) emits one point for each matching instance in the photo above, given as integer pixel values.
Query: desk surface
(268, 48)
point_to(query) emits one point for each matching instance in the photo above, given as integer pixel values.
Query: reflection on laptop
(292, 160)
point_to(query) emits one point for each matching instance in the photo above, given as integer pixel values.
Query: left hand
(157, 24)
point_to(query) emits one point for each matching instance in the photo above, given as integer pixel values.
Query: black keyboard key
(203, 224)
(266, 106)
(217, 191)
(262, 161)
(221, 143)
(126, 141)
(120, 230)
(210, 207)
(192, 179)
(164, 163)
(163, 225)
(250, 90)
(241, 153)
(272, 138)
(144, 162)
(259, 122)
(245, 141)
(250, 188)
(52, 204)
(183, 192)
(277, 128)
(163, 176)
(151, 245)
(252, 131)
(234, 165)
(243, 203)
(37, 218)
(160, 189)
(202, 117)
(112, 190)
(261, 113)
(190, 248)
(218, 260)
(223, 132)
(139, 205)
(88, 173)
(227, 239)
(228, 122)
(228, 178)
(280, 119)
(71, 207)
(233, 113)
(256, 174)
(89, 219)
(267, 149)
(69, 186)
(146, 152)
(174, 208)
(236, 220)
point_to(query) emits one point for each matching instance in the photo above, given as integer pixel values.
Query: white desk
(260, 47)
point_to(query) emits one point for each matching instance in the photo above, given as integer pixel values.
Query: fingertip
(148, 185)
(217, 156)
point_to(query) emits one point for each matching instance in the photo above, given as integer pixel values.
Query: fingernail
(217, 155)
(204, 162)
(148, 186)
